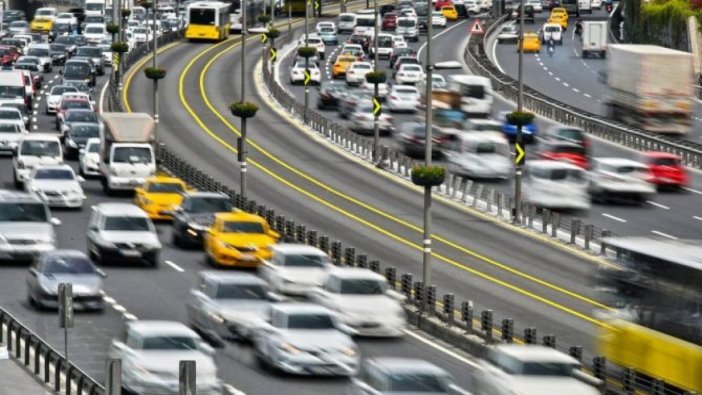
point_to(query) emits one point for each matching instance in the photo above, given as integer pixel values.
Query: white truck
(594, 38)
(650, 87)
(95, 7)
(584, 6)
(127, 150)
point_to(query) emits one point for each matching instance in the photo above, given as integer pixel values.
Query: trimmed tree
(307, 52)
(428, 176)
(376, 77)
(520, 118)
(243, 110)
(155, 73)
(146, 4)
(112, 29)
(126, 13)
(120, 47)
(264, 19)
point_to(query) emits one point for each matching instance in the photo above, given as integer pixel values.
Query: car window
(302, 260)
(243, 227)
(64, 264)
(169, 343)
(309, 321)
(93, 148)
(362, 287)
(85, 131)
(136, 224)
(53, 174)
(164, 187)
(40, 148)
(241, 291)
(10, 128)
(208, 205)
(10, 114)
(666, 161)
(131, 155)
(417, 382)
(23, 212)
(549, 369)
(81, 116)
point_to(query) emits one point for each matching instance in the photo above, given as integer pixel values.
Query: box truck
(594, 38)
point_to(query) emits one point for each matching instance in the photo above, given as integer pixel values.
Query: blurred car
(58, 30)
(34, 150)
(528, 370)
(449, 12)
(389, 22)
(65, 266)
(58, 53)
(330, 94)
(328, 35)
(78, 115)
(565, 151)
(228, 305)
(529, 131)
(238, 239)
(306, 339)
(363, 301)
(159, 196)
(362, 120)
(141, 35)
(70, 104)
(356, 72)
(325, 25)
(399, 52)
(122, 232)
(479, 155)
(56, 185)
(12, 115)
(68, 42)
(26, 225)
(508, 34)
(53, 97)
(403, 99)
(18, 27)
(20, 105)
(94, 55)
(316, 42)
(440, 3)
(528, 14)
(66, 17)
(383, 90)
(150, 351)
(536, 5)
(295, 269)
(438, 19)
(43, 53)
(407, 59)
(666, 169)
(398, 42)
(94, 32)
(552, 31)
(353, 50)
(350, 100)
(341, 64)
(619, 178)
(410, 139)
(531, 43)
(409, 74)
(9, 54)
(10, 135)
(556, 185)
(89, 158)
(569, 134)
(393, 376)
(359, 39)
(195, 214)
(297, 73)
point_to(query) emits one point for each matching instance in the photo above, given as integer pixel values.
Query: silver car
(65, 266)
(26, 226)
(306, 339)
(228, 305)
(403, 376)
(150, 352)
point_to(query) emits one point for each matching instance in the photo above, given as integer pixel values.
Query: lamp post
(307, 59)
(426, 241)
(153, 64)
(376, 114)
(244, 111)
(243, 51)
(520, 107)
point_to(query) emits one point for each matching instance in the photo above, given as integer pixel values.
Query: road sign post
(187, 378)
(65, 312)
(113, 377)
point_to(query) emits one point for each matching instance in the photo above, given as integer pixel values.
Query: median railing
(452, 320)
(48, 364)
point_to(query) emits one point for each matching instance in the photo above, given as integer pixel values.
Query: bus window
(202, 16)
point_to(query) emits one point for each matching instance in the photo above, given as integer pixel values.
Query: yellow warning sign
(519, 159)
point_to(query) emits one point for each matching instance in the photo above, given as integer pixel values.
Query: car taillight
(401, 74)
(393, 97)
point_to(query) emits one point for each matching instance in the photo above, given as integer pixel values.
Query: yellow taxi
(449, 12)
(238, 239)
(559, 11)
(160, 194)
(41, 24)
(342, 63)
(559, 19)
(531, 43)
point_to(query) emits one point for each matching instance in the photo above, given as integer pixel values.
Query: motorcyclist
(579, 26)
(551, 46)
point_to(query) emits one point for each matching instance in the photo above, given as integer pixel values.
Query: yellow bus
(208, 21)
(655, 327)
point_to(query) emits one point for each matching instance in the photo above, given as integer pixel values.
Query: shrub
(520, 118)
(264, 19)
(120, 47)
(155, 73)
(243, 109)
(428, 176)
(376, 77)
(146, 3)
(126, 13)
(112, 28)
(307, 52)
(273, 33)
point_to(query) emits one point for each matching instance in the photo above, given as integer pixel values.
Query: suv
(26, 226)
(124, 232)
(195, 214)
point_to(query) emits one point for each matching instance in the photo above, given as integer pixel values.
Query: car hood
(119, 236)
(83, 284)
(317, 339)
(31, 160)
(167, 362)
(555, 385)
(367, 305)
(303, 274)
(27, 230)
(55, 185)
(246, 239)
(249, 310)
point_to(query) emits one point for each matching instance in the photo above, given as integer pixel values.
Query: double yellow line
(332, 206)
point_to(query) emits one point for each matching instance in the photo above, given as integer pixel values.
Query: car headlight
(196, 226)
(218, 318)
(226, 245)
(289, 348)
(146, 200)
(348, 351)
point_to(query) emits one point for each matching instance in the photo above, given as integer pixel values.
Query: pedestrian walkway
(15, 380)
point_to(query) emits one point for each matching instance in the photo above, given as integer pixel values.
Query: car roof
(535, 353)
(163, 179)
(354, 273)
(408, 365)
(206, 194)
(18, 196)
(619, 162)
(55, 167)
(301, 308)
(218, 276)
(552, 164)
(154, 327)
(658, 154)
(290, 248)
(120, 209)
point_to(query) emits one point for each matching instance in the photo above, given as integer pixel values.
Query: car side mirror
(55, 221)
(80, 179)
(347, 329)
(101, 273)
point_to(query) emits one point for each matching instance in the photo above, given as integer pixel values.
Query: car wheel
(18, 184)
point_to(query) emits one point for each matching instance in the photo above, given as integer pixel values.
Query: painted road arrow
(376, 106)
(519, 159)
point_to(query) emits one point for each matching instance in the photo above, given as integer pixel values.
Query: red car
(9, 54)
(389, 21)
(666, 170)
(565, 151)
(442, 3)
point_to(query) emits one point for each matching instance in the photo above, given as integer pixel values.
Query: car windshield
(243, 227)
(23, 212)
(131, 155)
(327, 30)
(633, 170)
(362, 287)
(40, 148)
(68, 264)
(81, 116)
(417, 383)
(666, 162)
(241, 291)
(90, 52)
(164, 187)
(85, 131)
(407, 22)
(347, 18)
(169, 343)
(20, 106)
(310, 321)
(127, 223)
(209, 205)
(53, 174)
(558, 174)
(60, 90)
(57, 47)
(7, 114)
(486, 148)
(42, 52)
(12, 91)
(411, 67)
(574, 135)
(76, 105)
(95, 30)
(93, 148)
(18, 24)
(552, 29)
(9, 128)
(64, 40)
(302, 260)
(76, 69)
(549, 369)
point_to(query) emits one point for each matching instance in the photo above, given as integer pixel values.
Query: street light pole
(243, 50)
(155, 50)
(426, 242)
(376, 121)
(520, 105)
(307, 60)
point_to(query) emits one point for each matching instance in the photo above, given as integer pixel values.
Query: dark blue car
(529, 131)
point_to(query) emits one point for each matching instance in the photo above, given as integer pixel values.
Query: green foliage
(376, 77)
(126, 13)
(112, 28)
(307, 52)
(243, 109)
(273, 33)
(264, 19)
(518, 118)
(120, 47)
(146, 3)
(664, 22)
(428, 176)
(155, 73)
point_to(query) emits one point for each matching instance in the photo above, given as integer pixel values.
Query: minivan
(555, 185)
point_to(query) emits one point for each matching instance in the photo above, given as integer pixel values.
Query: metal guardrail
(440, 314)
(39, 357)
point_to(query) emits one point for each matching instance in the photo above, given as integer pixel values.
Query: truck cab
(127, 156)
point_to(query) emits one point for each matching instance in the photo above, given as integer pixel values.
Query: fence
(38, 356)
(439, 314)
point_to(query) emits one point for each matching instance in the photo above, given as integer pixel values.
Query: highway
(680, 210)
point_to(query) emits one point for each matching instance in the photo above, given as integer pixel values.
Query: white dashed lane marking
(655, 232)
(610, 216)
(174, 266)
(656, 204)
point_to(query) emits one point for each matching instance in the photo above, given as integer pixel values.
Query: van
(594, 38)
(555, 185)
(476, 94)
(479, 155)
(552, 31)
(365, 23)
(34, 150)
(13, 84)
(407, 28)
(346, 22)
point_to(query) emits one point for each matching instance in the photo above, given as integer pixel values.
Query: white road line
(545, 68)
(587, 95)
(174, 266)
(233, 391)
(664, 234)
(35, 112)
(441, 348)
(693, 190)
(566, 84)
(652, 203)
(558, 79)
(35, 127)
(610, 216)
(550, 73)
(108, 299)
(541, 63)
(129, 316)
(697, 218)
(576, 90)
(119, 308)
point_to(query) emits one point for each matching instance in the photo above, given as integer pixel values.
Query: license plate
(130, 253)
(248, 257)
(134, 182)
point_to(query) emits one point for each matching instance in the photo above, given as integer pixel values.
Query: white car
(528, 370)
(297, 73)
(362, 120)
(536, 5)
(150, 352)
(141, 35)
(307, 339)
(596, 4)
(556, 185)
(552, 31)
(325, 24)
(316, 42)
(56, 185)
(66, 17)
(409, 74)
(12, 115)
(295, 269)
(53, 97)
(385, 375)
(438, 19)
(480, 155)
(95, 32)
(508, 34)
(473, 6)
(34, 150)
(43, 53)
(403, 98)
(620, 178)
(398, 42)
(356, 72)
(383, 89)
(10, 135)
(363, 301)
(89, 159)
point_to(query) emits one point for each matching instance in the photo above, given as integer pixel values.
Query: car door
(93, 230)
(33, 278)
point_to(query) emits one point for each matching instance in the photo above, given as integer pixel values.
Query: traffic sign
(316, 5)
(519, 158)
(477, 27)
(308, 77)
(264, 38)
(377, 107)
(115, 60)
(274, 54)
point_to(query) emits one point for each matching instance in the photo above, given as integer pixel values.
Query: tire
(18, 184)
(176, 239)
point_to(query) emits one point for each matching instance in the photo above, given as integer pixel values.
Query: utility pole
(376, 115)
(520, 107)
(307, 59)
(121, 38)
(153, 58)
(65, 311)
(426, 242)
(243, 50)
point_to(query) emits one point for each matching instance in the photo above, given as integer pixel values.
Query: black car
(94, 55)
(77, 136)
(330, 93)
(68, 42)
(58, 53)
(78, 115)
(9, 16)
(195, 214)
(387, 8)
(59, 29)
